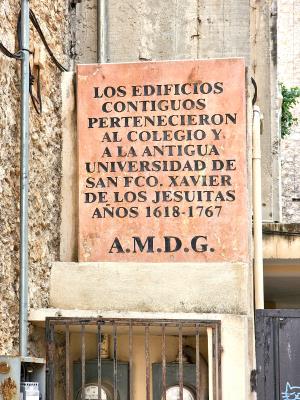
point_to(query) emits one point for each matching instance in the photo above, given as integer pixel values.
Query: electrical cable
(255, 91)
(40, 32)
(7, 53)
(36, 100)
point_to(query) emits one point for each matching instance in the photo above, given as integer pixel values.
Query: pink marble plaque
(162, 161)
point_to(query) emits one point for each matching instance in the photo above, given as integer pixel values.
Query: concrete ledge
(146, 287)
(37, 316)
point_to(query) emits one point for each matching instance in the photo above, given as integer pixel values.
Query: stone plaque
(162, 161)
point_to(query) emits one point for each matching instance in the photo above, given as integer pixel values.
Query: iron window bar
(65, 325)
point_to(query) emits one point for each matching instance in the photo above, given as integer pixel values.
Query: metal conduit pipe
(24, 171)
(257, 211)
(101, 31)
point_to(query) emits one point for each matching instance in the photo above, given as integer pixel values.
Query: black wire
(36, 24)
(36, 100)
(40, 32)
(255, 91)
(7, 53)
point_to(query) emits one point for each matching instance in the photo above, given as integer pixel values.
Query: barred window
(133, 359)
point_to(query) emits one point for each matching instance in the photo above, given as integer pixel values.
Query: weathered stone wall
(45, 161)
(289, 74)
(165, 30)
(264, 71)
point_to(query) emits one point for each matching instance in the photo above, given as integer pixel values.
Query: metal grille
(129, 328)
